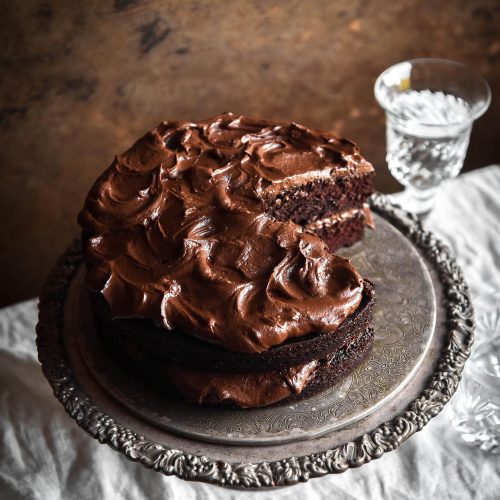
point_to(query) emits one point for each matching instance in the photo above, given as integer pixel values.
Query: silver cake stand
(424, 330)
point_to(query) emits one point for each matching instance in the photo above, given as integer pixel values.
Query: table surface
(37, 462)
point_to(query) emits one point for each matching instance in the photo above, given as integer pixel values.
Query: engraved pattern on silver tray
(386, 437)
(404, 320)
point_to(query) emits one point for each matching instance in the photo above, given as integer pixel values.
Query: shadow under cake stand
(423, 323)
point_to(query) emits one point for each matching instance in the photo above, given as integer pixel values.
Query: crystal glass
(430, 106)
(476, 406)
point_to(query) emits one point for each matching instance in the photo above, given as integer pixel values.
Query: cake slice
(331, 202)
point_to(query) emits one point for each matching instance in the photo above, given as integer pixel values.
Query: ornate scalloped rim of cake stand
(387, 437)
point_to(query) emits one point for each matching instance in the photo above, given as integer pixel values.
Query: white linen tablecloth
(44, 455)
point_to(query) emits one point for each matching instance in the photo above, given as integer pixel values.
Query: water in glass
(427, 137)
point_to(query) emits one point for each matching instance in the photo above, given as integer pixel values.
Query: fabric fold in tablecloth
(44, 455)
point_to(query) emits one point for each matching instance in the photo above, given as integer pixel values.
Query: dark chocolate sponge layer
(344, 233)
(143, 339)
(319, 199)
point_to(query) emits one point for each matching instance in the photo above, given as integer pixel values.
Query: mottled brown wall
(81, 80)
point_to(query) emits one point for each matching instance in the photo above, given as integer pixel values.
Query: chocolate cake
(208, 252)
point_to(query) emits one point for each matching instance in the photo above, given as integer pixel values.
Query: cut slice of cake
(205, 231)
(331, 198)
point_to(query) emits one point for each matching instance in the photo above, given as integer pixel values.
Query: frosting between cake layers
(346, 215)
(175, 230)
(247, 390)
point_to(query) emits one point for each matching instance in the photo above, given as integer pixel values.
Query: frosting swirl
(175, 230)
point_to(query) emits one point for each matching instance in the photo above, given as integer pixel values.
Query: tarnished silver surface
(273, 465)
(404, 321)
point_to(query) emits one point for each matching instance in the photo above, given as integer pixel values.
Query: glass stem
(419, 201)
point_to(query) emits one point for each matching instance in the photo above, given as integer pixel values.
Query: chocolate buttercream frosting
(176, 230)
(247, 390)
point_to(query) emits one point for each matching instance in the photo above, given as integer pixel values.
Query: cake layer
(317, 200)
(331, 373)
(342, 229)
(247, 389)
(141, 339)
(267, 388)
(176, 230)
